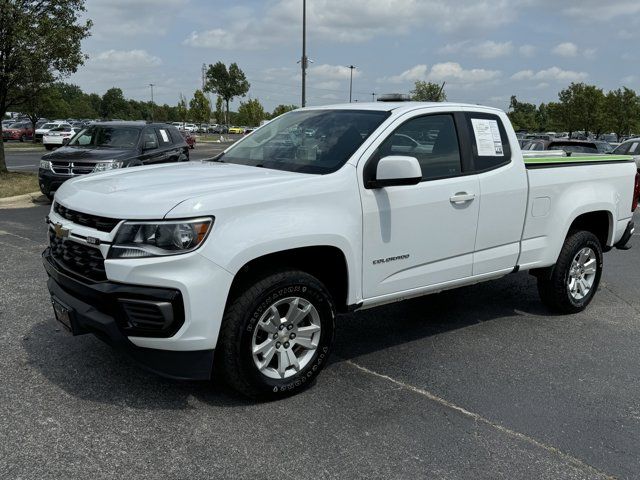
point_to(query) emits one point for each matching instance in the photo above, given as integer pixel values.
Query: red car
(190, 139)
(18, 131)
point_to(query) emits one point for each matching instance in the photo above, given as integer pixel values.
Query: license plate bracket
(63, 313)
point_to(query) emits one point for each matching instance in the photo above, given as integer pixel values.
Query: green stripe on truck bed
(577, 159)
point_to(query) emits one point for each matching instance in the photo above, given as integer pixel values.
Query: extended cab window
(431, 139)
(489, 141)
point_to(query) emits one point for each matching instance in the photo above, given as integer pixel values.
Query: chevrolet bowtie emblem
(61, 232)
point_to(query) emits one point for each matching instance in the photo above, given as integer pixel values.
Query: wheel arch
(327, 263)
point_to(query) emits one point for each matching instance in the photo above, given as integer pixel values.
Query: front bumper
(97, 308)
(49, 182)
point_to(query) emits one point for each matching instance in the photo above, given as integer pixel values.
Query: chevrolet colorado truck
(237, 266)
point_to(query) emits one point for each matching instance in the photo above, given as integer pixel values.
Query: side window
(163, 136)
(431, 139)
(634, 148)
(622, 149)
(149, 139)
(489, 142)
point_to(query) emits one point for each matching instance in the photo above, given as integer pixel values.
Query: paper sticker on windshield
(488, 139)
(165, 137)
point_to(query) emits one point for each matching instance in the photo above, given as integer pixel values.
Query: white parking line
(21, 166)
(479, 418)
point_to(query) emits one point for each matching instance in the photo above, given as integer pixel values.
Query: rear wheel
(570, 285)
(22, 138)
(276, 335)
(49, 147)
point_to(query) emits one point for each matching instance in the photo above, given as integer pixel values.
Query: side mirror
(149, 145)
(396, 170)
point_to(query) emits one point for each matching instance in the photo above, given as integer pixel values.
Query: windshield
(103, 136)
(17, 125)
(49, 125)
(314, 141)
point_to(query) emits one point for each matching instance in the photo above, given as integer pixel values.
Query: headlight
(45, 164)
(156, 239)
(104, 166)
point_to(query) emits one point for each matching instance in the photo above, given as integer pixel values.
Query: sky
(485, 50)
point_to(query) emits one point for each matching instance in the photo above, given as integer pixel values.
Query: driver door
(420, 235)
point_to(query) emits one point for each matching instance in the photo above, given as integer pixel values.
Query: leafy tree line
(64, 100)
(581, 107)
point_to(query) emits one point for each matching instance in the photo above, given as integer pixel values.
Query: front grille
(77, 258)
(103, 224)
(72, 168)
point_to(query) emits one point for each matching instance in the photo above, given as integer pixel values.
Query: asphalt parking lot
(480, 382)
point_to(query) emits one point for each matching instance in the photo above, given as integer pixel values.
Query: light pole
(151, 85)
(303, 61)
(351, 68)
(373, 96)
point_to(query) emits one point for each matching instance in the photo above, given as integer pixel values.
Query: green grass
(20, 145)
(17, 183)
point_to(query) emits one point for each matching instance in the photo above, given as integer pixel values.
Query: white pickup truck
(238, 266)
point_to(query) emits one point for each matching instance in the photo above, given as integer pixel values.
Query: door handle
(462, 197)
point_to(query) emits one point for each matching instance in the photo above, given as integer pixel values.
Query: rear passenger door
(416, 236)
(170, 151)
(151, 151)
(503, 191)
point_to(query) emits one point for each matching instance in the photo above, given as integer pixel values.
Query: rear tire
(570, 285)
(276, 335)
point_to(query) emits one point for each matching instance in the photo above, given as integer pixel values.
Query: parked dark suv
(110, 145)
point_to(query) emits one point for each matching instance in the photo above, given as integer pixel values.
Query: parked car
(47, 127)
(109, 146)
(189, 138)
(247, 131)
(58, 136)
(244, 261)
(630, 147)
(236, 130)
(603, 147)
(220, 129)
(18, 131)
(569, 146)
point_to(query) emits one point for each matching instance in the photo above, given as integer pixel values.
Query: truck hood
(151, 192)
(90, 154)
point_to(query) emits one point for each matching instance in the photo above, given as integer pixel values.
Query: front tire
(570, 285)
(276, 335)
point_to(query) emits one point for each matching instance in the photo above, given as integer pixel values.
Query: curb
(19, 198)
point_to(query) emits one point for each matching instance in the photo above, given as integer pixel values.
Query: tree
(219, 111)
(45, 102)
(182, 110)
(281, 109)
(523, 115)
(113, 104)
(622, 107)
(428, 92)
(200, 108)
(583, 107)
(250, 113)
(226, 83)
(40, 42)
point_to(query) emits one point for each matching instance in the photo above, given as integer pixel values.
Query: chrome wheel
(582, 273)
(286, 337)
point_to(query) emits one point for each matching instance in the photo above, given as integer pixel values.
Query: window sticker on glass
(488, 139)
(165, 137)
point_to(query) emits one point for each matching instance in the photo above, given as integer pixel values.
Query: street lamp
(303, 60)
(351, 68)
(151, 85)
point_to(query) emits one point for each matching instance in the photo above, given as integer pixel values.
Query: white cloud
(596, 10)
(527, 50)
(125, 18)
(566, 49)
(550, 74)
(419, 72)
(354, 21)
(487, 49)
(452, 72)
(333, 72)
(118, 60)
